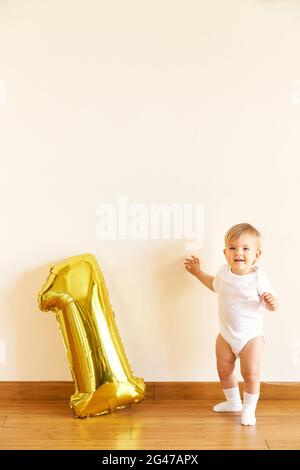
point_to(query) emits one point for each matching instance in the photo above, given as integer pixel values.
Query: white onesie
(240, 316)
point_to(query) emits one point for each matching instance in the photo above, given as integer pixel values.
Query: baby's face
(242, 253)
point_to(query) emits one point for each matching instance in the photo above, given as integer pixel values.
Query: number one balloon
(75, 290)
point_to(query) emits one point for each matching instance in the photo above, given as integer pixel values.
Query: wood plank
(44, 420)
(36, 390)
(158, 390)
(212, 390)
(173, 411)
(188, 391)
(36, 438)
(284, 444)
(280, 391)
(131, 445)
(47, 390)
(155, 390)
(2, 420)
(67, 436)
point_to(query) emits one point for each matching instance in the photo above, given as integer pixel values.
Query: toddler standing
(242, 287)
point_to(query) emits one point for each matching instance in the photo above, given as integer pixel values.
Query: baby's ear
(258, 253)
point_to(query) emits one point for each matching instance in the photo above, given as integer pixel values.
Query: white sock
(233, 403)
(248, 412)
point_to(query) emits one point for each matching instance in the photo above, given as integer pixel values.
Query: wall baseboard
(55, 390)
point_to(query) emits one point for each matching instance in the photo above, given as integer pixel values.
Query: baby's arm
(270, 302)
(193, 266)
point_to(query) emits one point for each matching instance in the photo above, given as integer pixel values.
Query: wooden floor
(40, 418)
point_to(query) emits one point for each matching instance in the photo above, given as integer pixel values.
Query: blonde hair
(238, 230)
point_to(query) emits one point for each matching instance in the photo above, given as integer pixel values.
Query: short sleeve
(264, 283)
(216, 280)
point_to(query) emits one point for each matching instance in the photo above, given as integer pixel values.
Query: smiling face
(242, 253)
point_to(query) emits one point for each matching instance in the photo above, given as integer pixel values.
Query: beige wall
(162, 101)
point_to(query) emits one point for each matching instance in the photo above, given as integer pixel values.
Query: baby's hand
(192, 265)
(270, 301)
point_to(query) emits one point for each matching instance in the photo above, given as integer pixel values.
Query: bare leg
(250, 369)
(225, 363)
(250, 358)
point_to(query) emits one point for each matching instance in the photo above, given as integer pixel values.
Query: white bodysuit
(240, 316)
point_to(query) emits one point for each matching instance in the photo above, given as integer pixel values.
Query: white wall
(162, 101)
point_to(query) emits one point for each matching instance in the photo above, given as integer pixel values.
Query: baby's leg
(225, 364)
(250, 358)
(250, 368)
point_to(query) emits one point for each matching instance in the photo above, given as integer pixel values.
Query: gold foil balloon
(75, 290)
